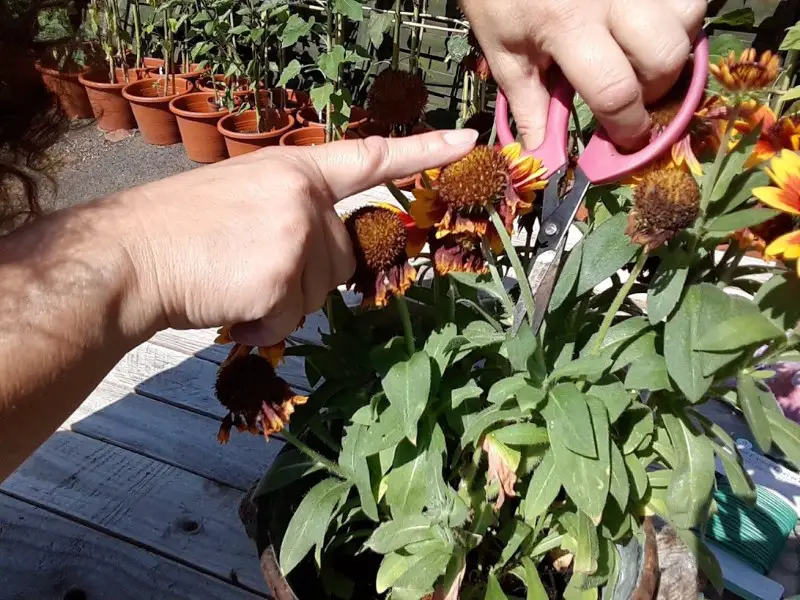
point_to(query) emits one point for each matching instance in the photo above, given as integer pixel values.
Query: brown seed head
(379, 238)
(397, 98)
(475, 181)
(665, 202)
(247, 381)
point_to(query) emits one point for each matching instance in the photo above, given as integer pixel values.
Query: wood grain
(178, 437)
(48, 557)
(154, 505)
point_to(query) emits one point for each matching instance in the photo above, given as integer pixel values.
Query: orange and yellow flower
(748, 72)
(461, 192)
(254, 395)
(384, 238)
(784, 195)
(776, 135)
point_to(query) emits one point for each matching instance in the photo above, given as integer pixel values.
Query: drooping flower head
(461, 253)
(254, 395)
(462, 191)
(397, 99)
(666, 201)
(383, 242)
(476, 61)
(748, 72)
(784, 195)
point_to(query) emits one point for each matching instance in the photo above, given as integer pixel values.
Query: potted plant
(331, 111)
(150, 97)
(104, 85)
(442, 456)
(64, 59)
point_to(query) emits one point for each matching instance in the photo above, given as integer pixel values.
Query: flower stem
(399, 196)
(313, 454)
(405, 318)
(522, 278)
(398, 23)
(618, 300)
(498, 280)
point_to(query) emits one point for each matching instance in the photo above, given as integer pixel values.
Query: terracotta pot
(111, 110)
(309, 136)
(151, 109)
(150, 62)
(241, 136)
(308, 117)
(194, 73)
(291, 100)
(197, 120)
(133, 74)
(70, 92)
(222, 83)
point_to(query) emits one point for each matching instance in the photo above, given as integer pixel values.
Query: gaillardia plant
(441, 456)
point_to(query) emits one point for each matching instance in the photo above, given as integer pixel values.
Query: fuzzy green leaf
(634, 426)
(749, 217)
(399, 533)
(350, 9)
(637, 477)
(791, 40)
(419, 581)
(393, 567)
(619, 487)
(737, 332)
(521, 349)
(568, 277)
(521, 434)
(786, 435)
(355, 466)
(568, 418)
(588, 546)
(585, 366)
(377, 26)
(648, 373)
(438, 346)
(295, 28)
(310, 521)
(665, 290)
(407, 385)
(506, 388)
(407, 482)
(493, 589)
(542, 489)
(738, 17)
(605, 251)
(321, 96)
(777, 299)
(750, 402)
(613, 395)
(475, 425)
(289, 72)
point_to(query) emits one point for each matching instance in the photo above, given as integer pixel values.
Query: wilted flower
(476, 61)
(754, 239)
(745, 73)
(254, 395)
(666, 201)
(503, 463)
(461, 253)
(273, 353)
(463, 191)
(384, 238)
(397, 98)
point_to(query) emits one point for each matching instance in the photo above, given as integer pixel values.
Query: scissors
(600, 163)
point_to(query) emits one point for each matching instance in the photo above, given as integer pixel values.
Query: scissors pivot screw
(551, 228)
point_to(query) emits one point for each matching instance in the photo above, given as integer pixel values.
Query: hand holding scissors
(600, 163)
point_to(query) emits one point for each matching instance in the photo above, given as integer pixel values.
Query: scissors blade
(542, 279)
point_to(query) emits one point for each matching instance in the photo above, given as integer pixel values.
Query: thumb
(352, 166)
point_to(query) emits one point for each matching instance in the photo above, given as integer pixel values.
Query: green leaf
(689, 492)
(542, 489)
(521, 349)
(437, 346)
(750, 394)
(585, 479)
(777, 299)
(377, 26)
(529, 398)
(521, 434)
(737, 332)
(480, 334)
(588, 547)
(705, 557)
(478, 282)
(733, 164)
(740, 481)
(419, 581)
(532, 581)
(740, 190)
(613, 395)
(791, 95)
(568, 277)
(605, 251)
(568, 418)
(516, 532)
(586, 366)
(749, 217)
(619, 487)
(786, 435)
(407, 484)
(703, 307)
(295, 28)
(310, 521)
(506, 388)
(493, 589)
(386, 433)
(407, 385)
(722, 44)
(355, 466)
(393, 567)
(792, 39)
(475, 425)
(456, 397)
(666, 288)
(350, 9)
(399, 533)
(288, 467)
(289, 72)
(330, 62)
(648, 373)
(321, 96)
(737, 18)
(634, 426)
(637, 477)
(617, 336)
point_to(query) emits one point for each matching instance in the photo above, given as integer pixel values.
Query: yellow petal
(787, 242)
(512, 152)
(775, 198)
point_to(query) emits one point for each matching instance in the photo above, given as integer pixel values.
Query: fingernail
(256, 333)
(461, 137)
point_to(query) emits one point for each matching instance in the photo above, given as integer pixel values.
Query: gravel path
(88, 165)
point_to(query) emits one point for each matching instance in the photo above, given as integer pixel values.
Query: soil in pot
(241, 133)
(150, 100)
(197, 117)
(308, 117)
(110, 109)
(68, 89)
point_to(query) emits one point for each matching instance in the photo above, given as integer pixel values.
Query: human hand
(256, 240)
(618, 54)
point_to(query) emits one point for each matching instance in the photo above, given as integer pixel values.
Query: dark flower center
(379, 237)
(397, 98)
(475, 181)
(247, 381)
(667, 200)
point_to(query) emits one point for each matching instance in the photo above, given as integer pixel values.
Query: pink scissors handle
(601, 161)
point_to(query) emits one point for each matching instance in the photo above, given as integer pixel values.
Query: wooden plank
(178, 437)
(157, 506)
(48, 557)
